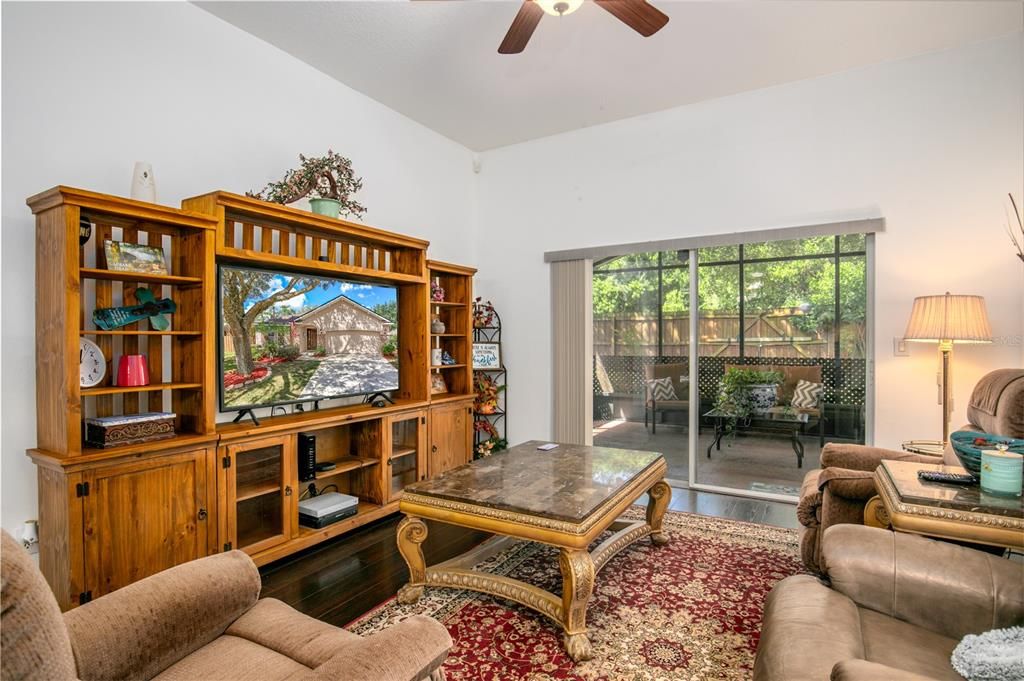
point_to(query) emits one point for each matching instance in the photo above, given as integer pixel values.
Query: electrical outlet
(899, 348)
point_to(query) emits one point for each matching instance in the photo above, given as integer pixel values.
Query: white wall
(90, 88)
(932, 143)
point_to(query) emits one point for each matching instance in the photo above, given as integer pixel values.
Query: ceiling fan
(640, 16)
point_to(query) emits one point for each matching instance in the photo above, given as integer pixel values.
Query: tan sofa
(838, 491)
(897, 606)
(200, 620)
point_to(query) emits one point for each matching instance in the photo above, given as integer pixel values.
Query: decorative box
(114, 431)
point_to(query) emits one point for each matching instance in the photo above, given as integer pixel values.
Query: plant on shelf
(487, 392)
(436, 292)
(743, 392)
(488, 447)
(483, 313)
(329, 179)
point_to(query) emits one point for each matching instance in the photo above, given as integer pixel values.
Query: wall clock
(92, 365)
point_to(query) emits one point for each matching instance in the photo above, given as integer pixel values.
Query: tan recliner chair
(838, 491)
(897, 606)
(200, 620)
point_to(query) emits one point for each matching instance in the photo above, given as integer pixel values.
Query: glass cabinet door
(260, 493)
(407, 452)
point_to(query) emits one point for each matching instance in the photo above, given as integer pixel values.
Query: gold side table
(960, 512)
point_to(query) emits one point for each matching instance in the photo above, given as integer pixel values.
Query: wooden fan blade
(522, 28)
(644, 18)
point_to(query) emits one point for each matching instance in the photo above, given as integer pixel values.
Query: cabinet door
(258, 491)
(405, 448)
(144, 517)
(451, 434)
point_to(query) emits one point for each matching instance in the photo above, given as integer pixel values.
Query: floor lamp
(946, 320)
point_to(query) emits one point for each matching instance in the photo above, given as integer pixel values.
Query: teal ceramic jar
(1001, 472)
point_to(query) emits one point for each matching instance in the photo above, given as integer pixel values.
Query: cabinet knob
(202, 514)
(288, 490)
(434, 449)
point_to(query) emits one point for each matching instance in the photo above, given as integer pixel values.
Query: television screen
(289, 337)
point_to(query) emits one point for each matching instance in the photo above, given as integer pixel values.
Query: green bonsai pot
(329, 207)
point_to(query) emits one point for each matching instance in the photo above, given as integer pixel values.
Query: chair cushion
(807, 394)
(901, 645)
(33, 638)
(228, 658)
(662, 389)
(279, 627)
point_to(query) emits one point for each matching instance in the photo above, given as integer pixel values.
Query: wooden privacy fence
(771, 335)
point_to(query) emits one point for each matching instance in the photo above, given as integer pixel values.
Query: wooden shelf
(99, 332)
(151, 388)
(446, 303)
(448, 335)
(399, 452)
(257, 490)
(449, 366)
(312, 420)
(146, 278)
(347, 465)
(440, 398)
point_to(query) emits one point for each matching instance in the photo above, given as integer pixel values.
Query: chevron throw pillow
(807, 394)
(661, 389)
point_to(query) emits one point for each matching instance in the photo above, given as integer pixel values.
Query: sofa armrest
(855, 485)
(143, 628)
(864, 458)
(949, 589)
(412, 650)
(862, 670)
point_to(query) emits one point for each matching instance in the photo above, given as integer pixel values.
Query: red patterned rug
(688, 610)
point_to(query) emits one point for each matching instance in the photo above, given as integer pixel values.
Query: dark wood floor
(339, 580)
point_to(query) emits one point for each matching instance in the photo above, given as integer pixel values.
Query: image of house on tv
(339, 326)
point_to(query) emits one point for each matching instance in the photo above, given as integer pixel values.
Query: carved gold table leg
(875, 514)
(659, 497)
(577, 585)
(411, 534)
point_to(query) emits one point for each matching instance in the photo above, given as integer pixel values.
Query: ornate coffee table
(565, 498)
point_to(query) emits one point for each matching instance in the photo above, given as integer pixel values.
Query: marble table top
(913, 490)
(567, 483)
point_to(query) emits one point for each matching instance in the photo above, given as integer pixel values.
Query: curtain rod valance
(865, 226)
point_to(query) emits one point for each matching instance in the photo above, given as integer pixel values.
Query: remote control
(951, 478)
(547, 447)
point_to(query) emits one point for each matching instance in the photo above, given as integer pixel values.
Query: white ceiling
(437, 62)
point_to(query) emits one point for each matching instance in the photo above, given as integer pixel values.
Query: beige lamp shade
(961, 319)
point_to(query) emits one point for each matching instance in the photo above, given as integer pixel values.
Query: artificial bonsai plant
(329, 179)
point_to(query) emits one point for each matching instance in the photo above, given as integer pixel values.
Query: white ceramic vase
(143, 184)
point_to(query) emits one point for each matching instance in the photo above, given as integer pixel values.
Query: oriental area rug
(688, 610)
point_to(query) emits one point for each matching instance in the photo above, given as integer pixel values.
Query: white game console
(325, 509)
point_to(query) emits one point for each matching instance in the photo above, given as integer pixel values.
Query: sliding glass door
(780, 367)
(641, 355)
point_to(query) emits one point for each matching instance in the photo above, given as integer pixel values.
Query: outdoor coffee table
(565, 498)
(792, 423)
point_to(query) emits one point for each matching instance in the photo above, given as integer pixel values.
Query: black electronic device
(325, 466)
(949, 478)
(307, 457)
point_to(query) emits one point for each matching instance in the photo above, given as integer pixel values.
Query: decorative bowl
(968, 444)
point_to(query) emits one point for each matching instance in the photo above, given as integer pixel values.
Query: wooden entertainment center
(109, 517)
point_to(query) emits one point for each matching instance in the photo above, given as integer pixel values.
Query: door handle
(288, 490)
(202, 514)
(434, 449)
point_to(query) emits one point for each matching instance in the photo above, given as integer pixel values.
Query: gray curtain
(572, 351)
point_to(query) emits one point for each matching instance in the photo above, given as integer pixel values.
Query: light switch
(899, 348)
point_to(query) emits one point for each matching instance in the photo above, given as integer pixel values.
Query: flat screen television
(288, 337)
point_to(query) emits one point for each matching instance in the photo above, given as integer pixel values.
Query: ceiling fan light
(559, 8)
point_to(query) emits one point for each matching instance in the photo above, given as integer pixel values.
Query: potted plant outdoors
(329, 179)
(746, 392)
